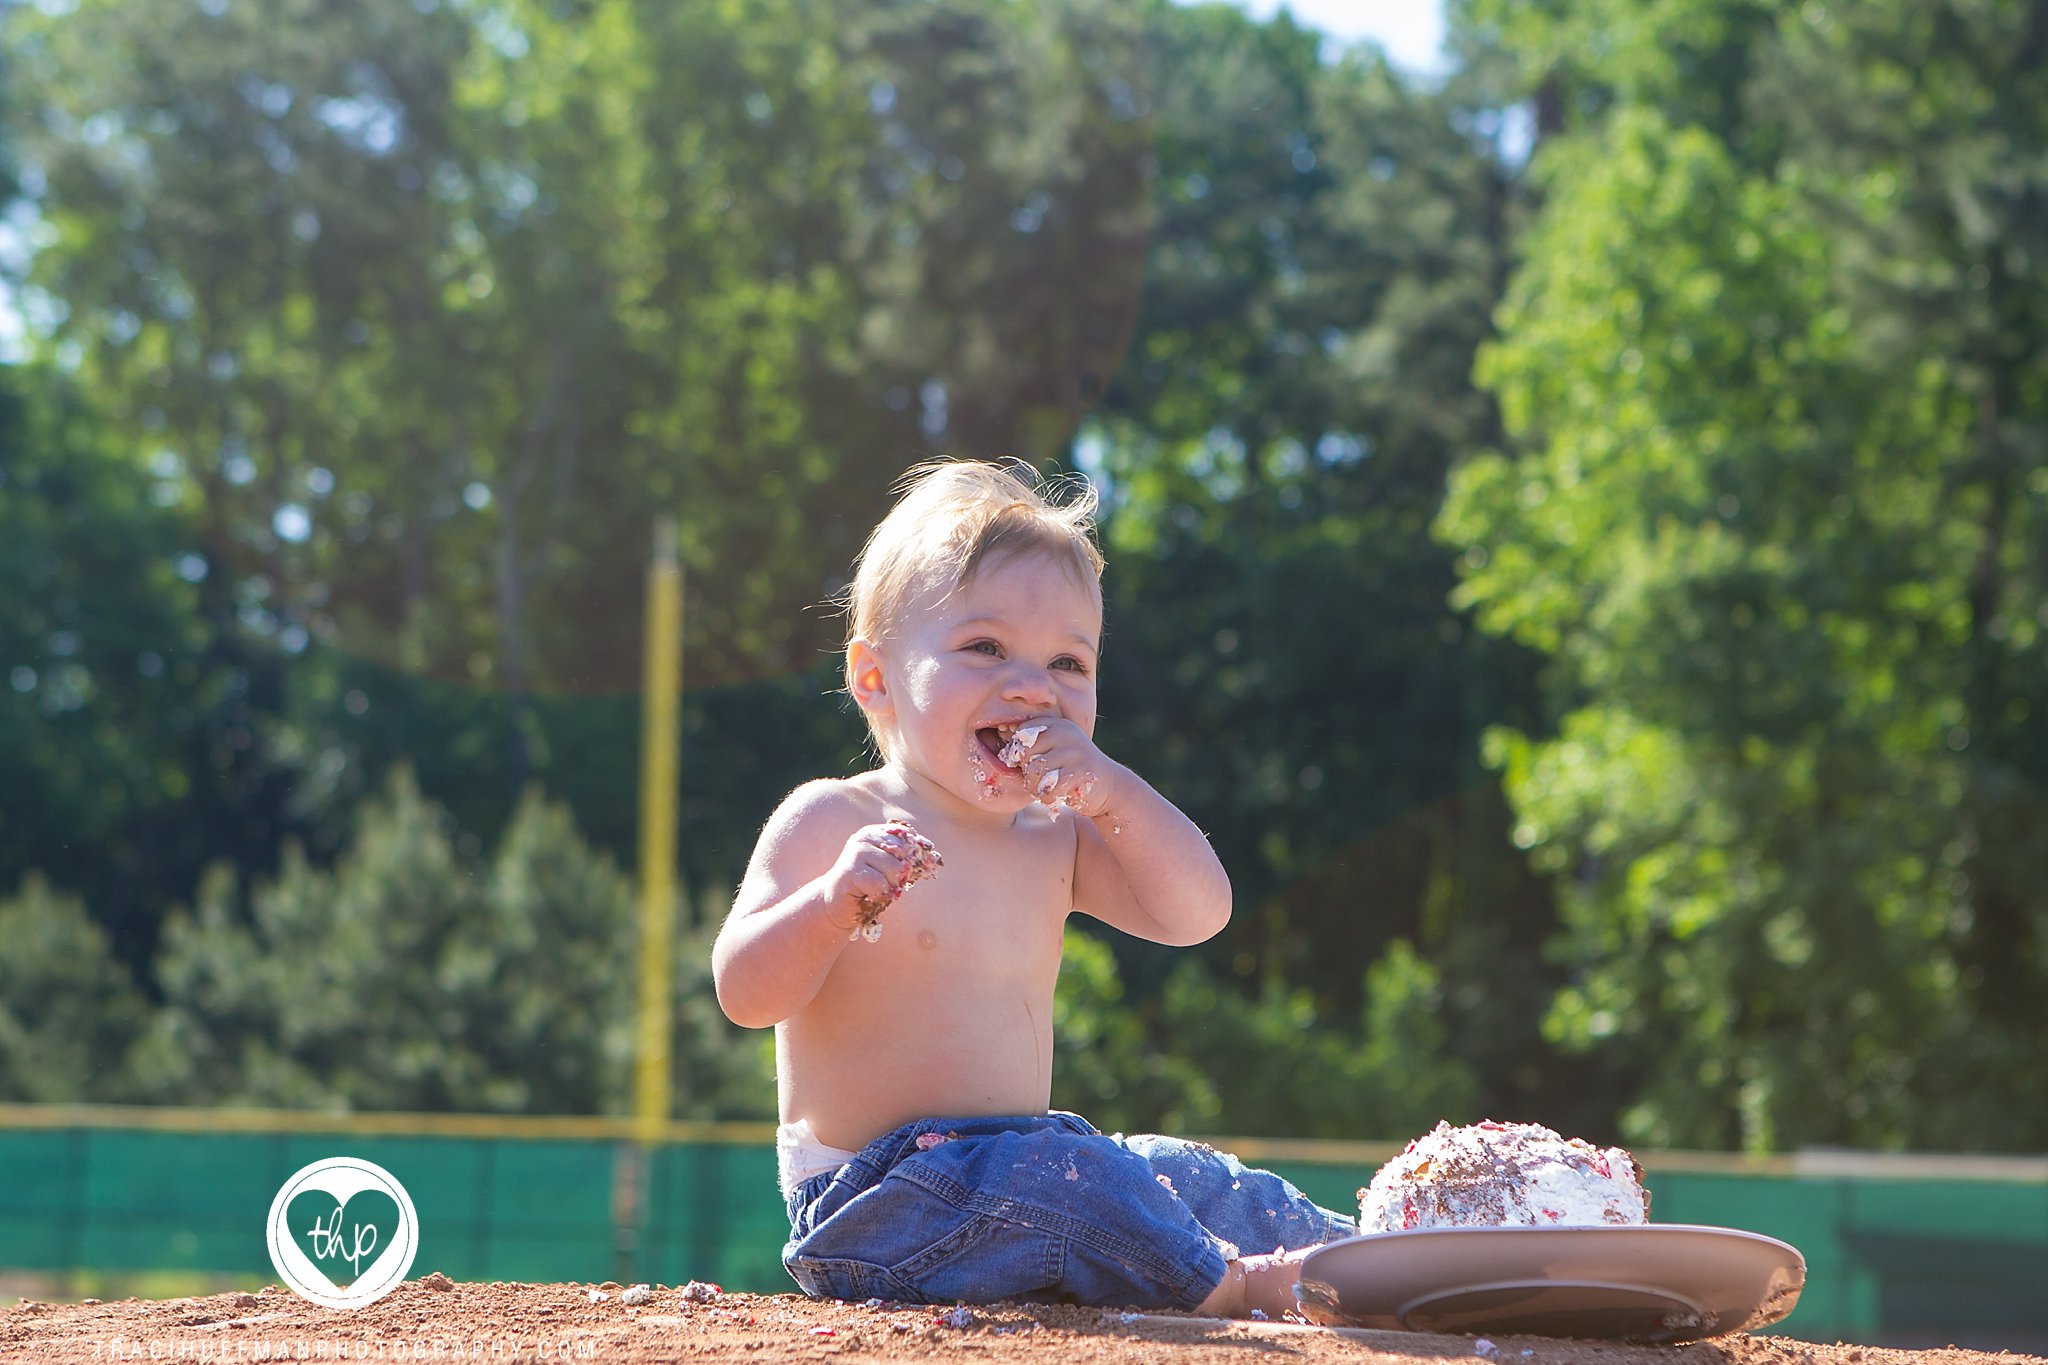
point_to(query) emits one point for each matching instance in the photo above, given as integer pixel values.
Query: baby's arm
(1140, 864)
(820, 869)
(1143, 866)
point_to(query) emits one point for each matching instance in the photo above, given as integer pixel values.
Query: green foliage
(1329, 243)
(434, 309)
(1388, 1075)
(1005, 198)
(1773, 509)
(411, 977)
(381, 333)
(1326, 251)
(418, 317)
(1106, 1063)
(68, 1010)
(1203, 1058)
(133, 707)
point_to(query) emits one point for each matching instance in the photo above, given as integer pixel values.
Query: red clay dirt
(434, 1319)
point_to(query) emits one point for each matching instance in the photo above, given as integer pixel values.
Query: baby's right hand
(878, 863)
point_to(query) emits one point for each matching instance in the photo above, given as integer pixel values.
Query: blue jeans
(1039, 1207)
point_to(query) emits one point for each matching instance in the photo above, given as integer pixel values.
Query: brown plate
(1656, 1282)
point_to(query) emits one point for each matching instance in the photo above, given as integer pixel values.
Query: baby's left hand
(1062, 767)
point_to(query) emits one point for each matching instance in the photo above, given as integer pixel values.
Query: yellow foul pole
(661, 694)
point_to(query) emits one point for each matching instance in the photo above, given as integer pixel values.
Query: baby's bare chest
(996, 911)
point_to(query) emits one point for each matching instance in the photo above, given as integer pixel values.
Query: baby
(920, 1159)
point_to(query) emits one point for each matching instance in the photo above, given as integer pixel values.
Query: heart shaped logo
(342, 1238)
(343, 1232)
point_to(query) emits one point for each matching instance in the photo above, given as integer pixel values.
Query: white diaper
(799, 1155)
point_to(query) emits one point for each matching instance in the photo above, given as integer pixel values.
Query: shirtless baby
(921, 1160)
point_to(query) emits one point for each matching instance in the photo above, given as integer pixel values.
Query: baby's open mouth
(1008, 744)
(993, 741)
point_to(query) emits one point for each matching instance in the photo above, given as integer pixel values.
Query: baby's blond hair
(953, 516)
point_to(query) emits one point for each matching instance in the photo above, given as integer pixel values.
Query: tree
(1387, 1072)
(69, 1011)
(425, 315)
(1763, 511)
(1198, 1057)
(135, 709)
(415, 977)
(417, 317)
(434, 310)
(1329, 241)
(1006, 195)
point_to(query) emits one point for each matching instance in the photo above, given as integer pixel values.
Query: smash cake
(1015, 754)
(920, 859)
(1016, 751)
(1503, 1175)
(1017, 743)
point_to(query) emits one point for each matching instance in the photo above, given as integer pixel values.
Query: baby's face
(1017, 642)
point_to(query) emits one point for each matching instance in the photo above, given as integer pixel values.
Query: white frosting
(1018, 744)
(1503, 1175)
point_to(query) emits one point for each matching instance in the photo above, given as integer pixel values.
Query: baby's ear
(864, 679)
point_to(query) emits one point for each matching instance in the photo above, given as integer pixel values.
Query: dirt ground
(434, 1319)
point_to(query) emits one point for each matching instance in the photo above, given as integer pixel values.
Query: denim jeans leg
(1255, 1209)
(1039, 1207)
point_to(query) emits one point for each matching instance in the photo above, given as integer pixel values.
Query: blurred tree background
(1576, 533)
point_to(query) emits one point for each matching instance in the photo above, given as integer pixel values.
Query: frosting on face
(1503, 1175)
(1019, 744)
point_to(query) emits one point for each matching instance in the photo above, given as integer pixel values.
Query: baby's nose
(1026, 684)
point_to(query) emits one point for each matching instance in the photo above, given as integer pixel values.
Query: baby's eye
(988, 647)
(1070, 663)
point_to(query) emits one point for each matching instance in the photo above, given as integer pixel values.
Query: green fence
(1907, 1251)
(526, 1209)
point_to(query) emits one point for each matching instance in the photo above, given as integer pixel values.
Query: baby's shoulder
(810, 826)
(840, 804)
